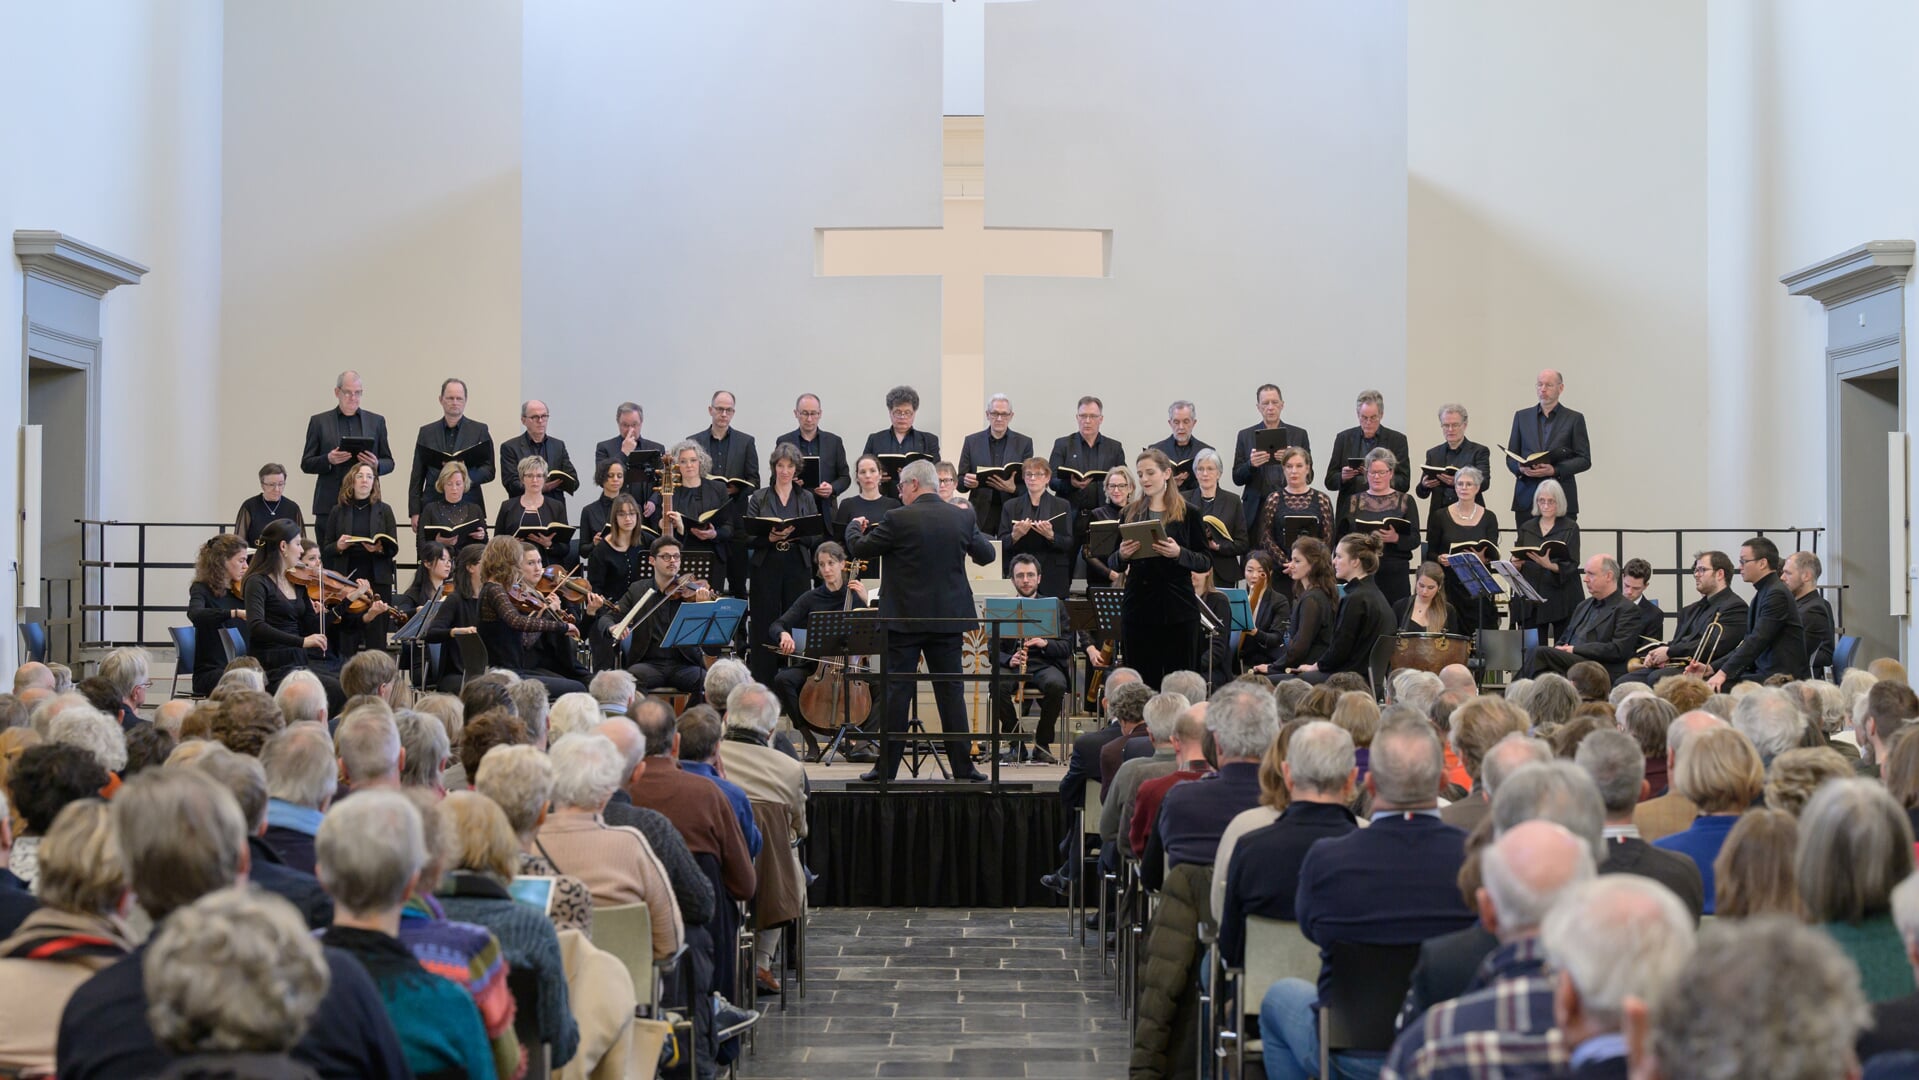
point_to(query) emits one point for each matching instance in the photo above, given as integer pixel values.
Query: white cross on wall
(963, 250)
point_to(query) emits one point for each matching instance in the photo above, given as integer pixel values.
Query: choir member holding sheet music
(783, 526)
(1257, 457)
(1039, 523)
(1102, 531)
(1220, 512)
(450, 521)
(901, 443)
(989, 462)
(1546, 549)
(453, 437)
(1296, 509)
(363, 547)
(822, 454)
(536, 517)
(1466, 524)
(1181, 447)
(1443, 462)
(703, 517)
(1388, 513)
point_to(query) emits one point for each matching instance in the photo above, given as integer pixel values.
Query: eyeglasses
(726, 409)
(1698, 570)
(999, 414)
(667, 556)
(530, 417)
(1743, 561)
(809, 414)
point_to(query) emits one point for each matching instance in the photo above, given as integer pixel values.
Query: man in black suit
(562, 479)
(1712, 578)
(997, 445)
(1344, 478)
(1775, 638)
(901, 437)
(1800, 576)
(815, 443)
(1617, 765)
(1556, 431)
(1085, 451)
(653, 665)
(1082, 766)
(736, 458)
(1633, 579)
(1254, 470)
(323, 457)
(925, 544)
(630, 418)
(1603, 628)
(1180, 447)
(453, 432)
(1456, 452)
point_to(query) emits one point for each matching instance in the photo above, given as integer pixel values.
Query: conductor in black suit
(926, 543)
(323, 457)
(1551, 428)
(1356, 442)
(997, 445)
(453, 432)
(1603, 628)
(812, 441)
(1257, 472)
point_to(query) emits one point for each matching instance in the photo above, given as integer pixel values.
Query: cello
(831, 695)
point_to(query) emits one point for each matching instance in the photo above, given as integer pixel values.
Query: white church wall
(114, 137)
(372, 195)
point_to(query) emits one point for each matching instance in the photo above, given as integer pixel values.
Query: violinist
(782, 565)
(610, 475)
(830, 559)
(452, 520)
(1038, 663)
(283, 622)
(458, 616)
(657, 600)
(214, 605)
(1270, 607)
(430, 582)
(270, 505)
(1119, 492)
(338, 590)
(1039, 523)
(866, 504)
(702, 517)
(518, 623)
(368, 560)
(521, 517)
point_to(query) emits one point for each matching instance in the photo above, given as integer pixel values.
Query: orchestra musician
(1426, 610)
(1556, 577)
(1181, 447)
(215, 604)
(322, 456)
(1363, 615)
(629, 418)
(270, 505)
(1456, 452)
(1208, 499)
(1355, 443)
(283, 622)
(430, 582)
(458, 616)
(453, 433)
(704, 517)
(1159, 615)
(1040, 524)
(1257, 472)
(733, 455)
(610, 477)
(451, 510)
(532, 510)
(518, 624)
(830, 449)
(369, 561)
(1037, 663)
(830, 595)
(681, 669)
(614, 563)
(1215, 647)
(332, 614)
(1712, 580)
(1119, 491)
(562, 479)
(1295, 498)
(996, 445)
(1465, 520)
(1378, 501)
(1270, 607)
(782, 563)
(867, 506)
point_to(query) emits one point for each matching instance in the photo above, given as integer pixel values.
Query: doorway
(57, 402)
(1867, 410)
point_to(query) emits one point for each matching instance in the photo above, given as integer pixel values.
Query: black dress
(256, 514)
(1362, 619)
(1159, 613)
(859, 506)
(514, 516)
(1396, 559)
(1309, 631)
(781, 574)
(1403, 617)
(1267, 640)
(277, 628)
(1270, 531)
(359, 518)
(1559, 586)
(212, 615)
(459, 612)
(1474, 614)
(690, 503)
(1055, 556)
(444, 514)
(1225, 506)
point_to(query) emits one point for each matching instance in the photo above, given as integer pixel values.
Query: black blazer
(1072, 452)
(764, 503)
(1177, 453)
(1267, 639)
(1631, 855)
(1815, 616)
(738, 457)
(977, 450)
(356, 562)
(1469, 453)
(1257, 483)
(552, 451)
(640, 487)
(916, 442)
(1159, 590)
(323, 437)
(1775, 638)
(831, 451)
(1352, 444)
(1696, 616)
(1225, 506)
(1309, 630)
(926, 544)
(1363, 618)
(470, 433)
(1652, 621)
(1055, 556)
(1606, 631)
(1533, 432)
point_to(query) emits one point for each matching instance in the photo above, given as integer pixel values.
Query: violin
(531, 601)
(691, 589)
(332, 588)
(564, 584)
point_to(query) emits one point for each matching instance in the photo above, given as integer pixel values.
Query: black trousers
(1546, 658)
(1051, 684)
(942, 653)
(674, 675)
(779, 581)
(1157, 649)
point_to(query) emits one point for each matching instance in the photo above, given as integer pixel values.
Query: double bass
(831, 695)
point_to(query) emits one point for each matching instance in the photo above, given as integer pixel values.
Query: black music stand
(1106, 605)
(1478, 582)
(410, 640)
(1517, 582)
(847, 634)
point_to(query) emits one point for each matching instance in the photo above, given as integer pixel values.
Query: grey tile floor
(935, 993)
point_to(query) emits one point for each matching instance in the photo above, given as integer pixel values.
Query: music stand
(697, 563)
(845, 634)
(409, 638)
(1023, 617)
(1106, 607)
(711, 624)
(1478, 582)
(1517, 582)
(1239, 605)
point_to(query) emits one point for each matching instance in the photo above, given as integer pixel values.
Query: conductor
(923, 577)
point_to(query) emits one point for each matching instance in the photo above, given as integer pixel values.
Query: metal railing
(1687, 541)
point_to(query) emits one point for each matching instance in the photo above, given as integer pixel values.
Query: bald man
(1604, 628)
(1558, 433)
(32, 675)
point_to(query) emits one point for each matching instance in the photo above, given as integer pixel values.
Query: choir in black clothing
(526, 517)
(1160, 615)
(1294, 502)
(610, 477)
(1345, 468)
(868, 503)
(1217, 507)
(1558, 435)
(215, 605)
(1465, 520)
(1438, 478)
(453, 437)
(1119, 491)
(270, 505)
(901, 437)
(1257, 471)
(363, 546)
(1387, 513)
(704, 516)
(562, 479)
(1553, 574)
(325, 457)
(628, 417)
(782, 561)
(451, 521)
(994, 447)
(1040, 524)
(828, 450)
(734, 457)
(1079, 460)
(1181, 447)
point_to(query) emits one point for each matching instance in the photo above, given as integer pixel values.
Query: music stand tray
(843, 633)
(1473, 576)
(701, 625)
(1517, 582)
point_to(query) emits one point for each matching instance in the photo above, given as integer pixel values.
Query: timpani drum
(1429, 652)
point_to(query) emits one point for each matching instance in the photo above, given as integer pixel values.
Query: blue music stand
(712, 624)
(1037, 616)
(1240, 602)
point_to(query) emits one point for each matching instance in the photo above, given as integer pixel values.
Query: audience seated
(1770, 720)
(1756, 872)
(1617, 766)
(531, 703)
(1612, 944)
(697, 748)
(519, 780)
(1477, 726)
(1646, 716)
(1672, 812)
(77, 930)
(1793, 776)
(615, 690)
(776, 785)
(1082, 765)
(148, 746)
(368, 746)
(1895, 1022)
(302, 777)
(41, 784)
(1507, 756)
(1129, 709)
(690, 888)
(1190, 763)
(1591, 680)
(695, 805)
(182, 837)
(616, 863)
(246, 781)
(1720, 773)
(233, 980)
(1171, 726)
(573, 714)
(1854, 846)
(1272, 801)
(1358, 714)
(301, 698)
(16, 900)
(1883, 712)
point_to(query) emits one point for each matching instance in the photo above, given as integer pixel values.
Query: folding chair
(473, 658)
(1076, 888)
(1359, 1000)
(1275, 949)
(184, 639)
(33, 641)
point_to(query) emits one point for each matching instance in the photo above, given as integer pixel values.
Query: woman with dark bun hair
(1363, 617)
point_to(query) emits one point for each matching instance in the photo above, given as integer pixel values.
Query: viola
(568, 587)
(332, 588)
(531, 601)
